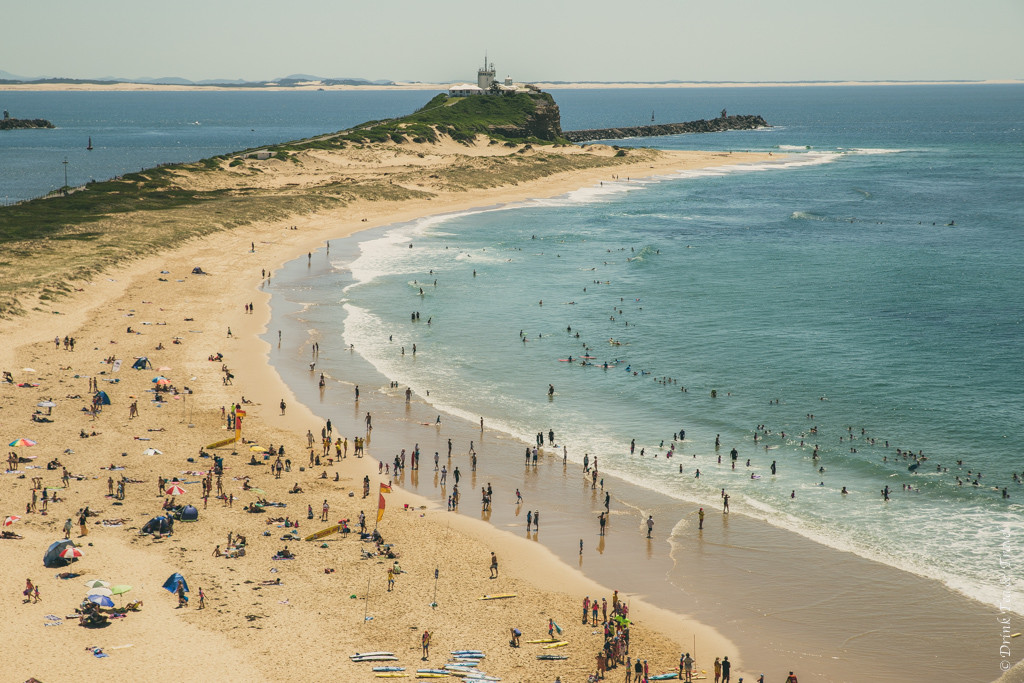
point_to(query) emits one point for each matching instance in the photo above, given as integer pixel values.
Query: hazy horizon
(572, 41)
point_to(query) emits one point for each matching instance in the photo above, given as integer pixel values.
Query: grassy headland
(451, 145)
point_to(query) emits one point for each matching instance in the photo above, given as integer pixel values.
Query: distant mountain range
(286, 82)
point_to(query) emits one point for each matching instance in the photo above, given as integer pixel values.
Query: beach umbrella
(152, 451)
(101, 600)
(71, 553)
(22, 442)
(28, 369)
(175, 490)
(99, 591)
(120, 590)
(11, 519)
(97, 583)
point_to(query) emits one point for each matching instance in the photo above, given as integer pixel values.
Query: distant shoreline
(583, 85)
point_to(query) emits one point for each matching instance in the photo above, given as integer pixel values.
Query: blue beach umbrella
(101, 600)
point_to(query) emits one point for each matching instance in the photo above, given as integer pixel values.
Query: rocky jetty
(7, 123)
(724, 122)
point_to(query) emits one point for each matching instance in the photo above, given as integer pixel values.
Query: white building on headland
(486, 84)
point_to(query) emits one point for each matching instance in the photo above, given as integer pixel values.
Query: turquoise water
(873, 279)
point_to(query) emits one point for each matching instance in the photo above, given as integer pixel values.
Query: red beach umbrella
(175, 490)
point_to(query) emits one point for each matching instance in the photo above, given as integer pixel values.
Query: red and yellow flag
(380, 507)
(385, 488)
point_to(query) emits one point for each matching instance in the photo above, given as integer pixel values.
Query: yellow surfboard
(545, 640)
(561, 643)
(222, 442)
(499, 596)
(324, 532)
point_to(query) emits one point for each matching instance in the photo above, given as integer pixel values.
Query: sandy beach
(331, 603)
(139, 297)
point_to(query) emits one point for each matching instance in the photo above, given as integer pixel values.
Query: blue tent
(52, 558)
(141, 364)
(171, 583)
(101, 398)
(158, 525)
(189, 513)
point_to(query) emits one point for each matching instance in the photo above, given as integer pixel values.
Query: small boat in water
(90, 143)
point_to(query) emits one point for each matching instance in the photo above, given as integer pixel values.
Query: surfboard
(552, 657)
(371, 654)
(222, 442)
(391, 674)
(389, 668)
(561, 643)
(544, 640)
(499, 596)
(324, 532)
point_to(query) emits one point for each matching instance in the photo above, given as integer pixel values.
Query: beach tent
(159, 525)
(101, 398)
(142, 364)
(189, 513)
(198, 271)
(171, 583)
(52, 556)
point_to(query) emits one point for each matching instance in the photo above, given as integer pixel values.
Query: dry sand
(306, 628)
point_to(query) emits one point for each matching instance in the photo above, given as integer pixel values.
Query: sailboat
(652, 117)
(90, 143)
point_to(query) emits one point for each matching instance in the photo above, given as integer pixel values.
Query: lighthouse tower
(485, 75)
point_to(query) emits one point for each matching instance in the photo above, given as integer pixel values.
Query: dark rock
(742, 122)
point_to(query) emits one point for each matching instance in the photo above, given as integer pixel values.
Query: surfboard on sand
(324, 532)
(561, 643)
(391, 674)
(544, 640)
(499, 596)
(552, 657)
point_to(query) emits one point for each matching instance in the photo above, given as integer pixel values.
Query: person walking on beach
(726, 667)
(283, 406)
(700, 518)
(718, 668)
(494, 565)
(725, 504)
(67, 528)
(326, 509)
(426, 644)
(650, 525)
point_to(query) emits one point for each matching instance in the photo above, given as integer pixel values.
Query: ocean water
(865, 289)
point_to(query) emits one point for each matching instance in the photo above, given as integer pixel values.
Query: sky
(531, 40)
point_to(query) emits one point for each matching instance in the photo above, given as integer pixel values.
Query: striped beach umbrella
(175, 490)
(22, 442)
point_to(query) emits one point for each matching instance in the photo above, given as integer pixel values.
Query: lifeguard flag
(380, 506)
(385, 488)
